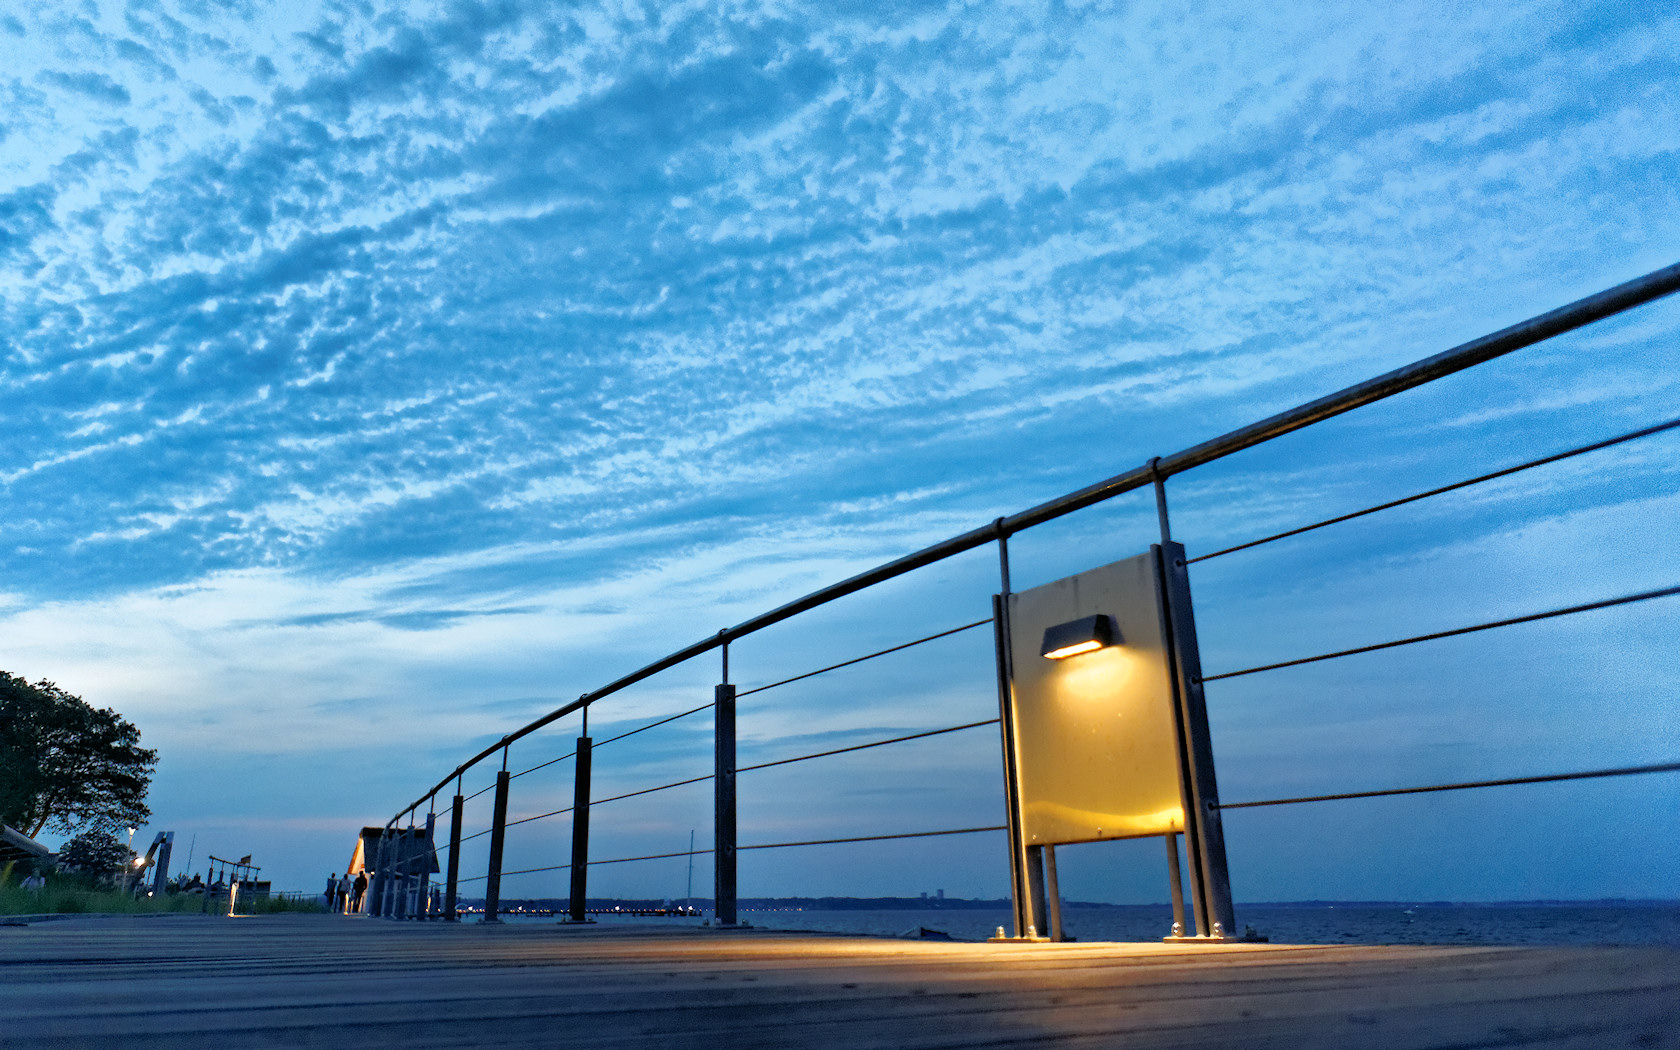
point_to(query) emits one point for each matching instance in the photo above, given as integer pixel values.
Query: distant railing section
(425, 900)
(402, 885)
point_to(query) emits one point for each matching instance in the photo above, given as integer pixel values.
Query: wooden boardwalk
(307, 981)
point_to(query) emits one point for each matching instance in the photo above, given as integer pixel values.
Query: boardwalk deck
(307, 981)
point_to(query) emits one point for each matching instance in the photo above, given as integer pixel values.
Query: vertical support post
(1037, 905)
(410, 851)
(388, 902)
(1176, 880)
(1204, 835)
(372, 862)
(724, 885)
(423, 909)
(381, 875)
(580, 832)
(1207, 849)
(449, 899)
(1011, 785)
(1023, 889)
(498, 830)
(1053, 894)
(404, 877)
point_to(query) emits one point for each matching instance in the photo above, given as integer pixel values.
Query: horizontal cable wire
(874, 838)
(654, 725)
(649, 791)
(870, 656)
(527, 871)
(765, 845)
(539, 816)
(542, 765)
(1555, 457)
(743, 769)
(860, 747)
(1588, 607)
(654, 856)
(480, 791)
(1625, 771)
(1570, 317)
(1665, 767)
(474, 835)
(609, 740)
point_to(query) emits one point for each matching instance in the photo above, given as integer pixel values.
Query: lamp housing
(1084, 635)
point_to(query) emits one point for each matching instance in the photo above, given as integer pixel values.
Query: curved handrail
(1637, 292)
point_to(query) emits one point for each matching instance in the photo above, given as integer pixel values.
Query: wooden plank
(309, 981)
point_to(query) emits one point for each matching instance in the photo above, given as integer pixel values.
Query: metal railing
(422, 901)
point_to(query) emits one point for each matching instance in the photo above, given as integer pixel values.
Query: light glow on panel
(1095, 735)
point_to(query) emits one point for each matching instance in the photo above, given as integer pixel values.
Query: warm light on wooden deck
(188, 982)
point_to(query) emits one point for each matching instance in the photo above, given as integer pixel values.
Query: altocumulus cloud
(96, 86)
(373, 323)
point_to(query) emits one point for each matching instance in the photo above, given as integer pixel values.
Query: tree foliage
(66, 766)
(96, 853)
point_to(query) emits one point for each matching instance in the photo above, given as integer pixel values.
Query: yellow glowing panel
(1095, 736)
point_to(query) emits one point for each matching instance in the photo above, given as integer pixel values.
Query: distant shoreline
(704, 904)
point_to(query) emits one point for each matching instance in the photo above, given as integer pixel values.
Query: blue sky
(377, 377)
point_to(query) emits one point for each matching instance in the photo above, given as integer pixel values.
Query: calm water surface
(1630, 924)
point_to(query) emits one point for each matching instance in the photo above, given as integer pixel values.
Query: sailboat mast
(688, 900)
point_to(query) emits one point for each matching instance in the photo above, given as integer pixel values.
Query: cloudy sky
(378, 377)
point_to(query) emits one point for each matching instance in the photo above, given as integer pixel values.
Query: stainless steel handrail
(1582, 312)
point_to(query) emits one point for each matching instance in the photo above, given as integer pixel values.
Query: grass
(274, 905)
(74, 895)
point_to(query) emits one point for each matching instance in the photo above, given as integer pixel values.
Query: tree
(66, 766)
(96, 853)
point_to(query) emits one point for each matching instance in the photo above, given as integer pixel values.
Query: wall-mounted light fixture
(1084, 635)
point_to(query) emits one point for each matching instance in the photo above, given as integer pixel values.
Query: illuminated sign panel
(1093, 700)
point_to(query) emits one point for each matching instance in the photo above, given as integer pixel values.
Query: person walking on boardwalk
(356, 894)
(331, 892)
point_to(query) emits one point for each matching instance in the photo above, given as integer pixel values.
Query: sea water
(1607, 922)
(1619, 923)
(1314, 923)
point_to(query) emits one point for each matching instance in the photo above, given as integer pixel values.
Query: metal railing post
(372, 863)
(724, 857)
(1176, 880)
(1025, 865)
(400, 883)
(580, 832)
(423, 899)
(1215, 915)
(455, 813)
(381, 875)
(1052, 894)
(405, 880)
(391, 881)
(498, 830)
(1187, 793)
(1204, 834)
